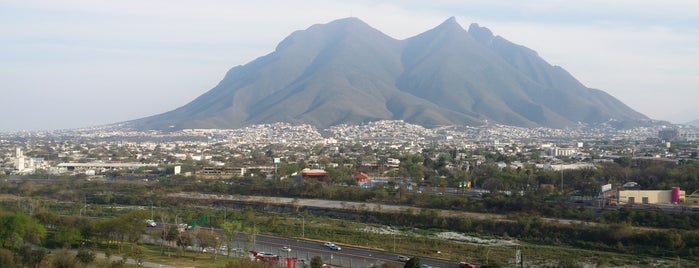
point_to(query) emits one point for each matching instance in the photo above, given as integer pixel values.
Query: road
(305, 249)
(349, 256)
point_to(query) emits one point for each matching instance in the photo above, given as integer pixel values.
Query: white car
(328, 244)
(151, 223)
(268, 255)
(287, 249)
(335, 247)
(403, 258)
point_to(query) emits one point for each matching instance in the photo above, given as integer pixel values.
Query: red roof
(361, 177)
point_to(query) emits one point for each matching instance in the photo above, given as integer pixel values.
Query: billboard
(606, 187)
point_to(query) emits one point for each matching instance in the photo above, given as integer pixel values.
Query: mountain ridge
(346, 71)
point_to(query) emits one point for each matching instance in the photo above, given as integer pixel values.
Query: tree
(63, 259)
(251, 234)
(19, 228)
(230, 231)
(208, 239)
(85, 256)
(171, 235)
(7, 258)
(29, 257)
(137, 253)
(183, 240)
(316, 262)
(67, 236)
(413, 262)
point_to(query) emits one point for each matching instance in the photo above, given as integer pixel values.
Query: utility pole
(561, 181)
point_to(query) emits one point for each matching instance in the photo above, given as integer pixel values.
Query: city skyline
(72, 64)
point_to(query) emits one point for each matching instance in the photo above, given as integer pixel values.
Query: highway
(305, 249)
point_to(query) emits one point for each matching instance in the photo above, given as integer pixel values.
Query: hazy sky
(67, 64)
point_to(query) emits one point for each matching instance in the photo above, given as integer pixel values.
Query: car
(335, 247)
(425, 266)
(151, 223)
(466, 265)
(184, 226)
(265, 255)
(328, 244)
(287, 249)
(403, 258)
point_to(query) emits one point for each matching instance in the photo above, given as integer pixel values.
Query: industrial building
(652, 197)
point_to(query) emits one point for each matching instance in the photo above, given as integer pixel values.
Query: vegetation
(54, 214)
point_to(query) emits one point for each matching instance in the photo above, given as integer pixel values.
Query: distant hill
(694, 123)
(348, 72)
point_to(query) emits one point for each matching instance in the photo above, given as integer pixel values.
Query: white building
(649, 197)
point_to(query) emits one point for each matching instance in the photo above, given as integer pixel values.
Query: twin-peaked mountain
(348, 72)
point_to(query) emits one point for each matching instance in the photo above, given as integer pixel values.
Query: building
(361, 177)
(652, 197)
(27, 165)
(559, 151)
(99, 167)
(314, 173)
(217, 172)
(392, 162)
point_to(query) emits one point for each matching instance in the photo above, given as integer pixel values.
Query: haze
(68, 64)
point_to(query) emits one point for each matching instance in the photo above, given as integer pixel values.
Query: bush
(85, 256)
(63, 259)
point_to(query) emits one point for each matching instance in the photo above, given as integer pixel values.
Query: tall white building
(19, 160)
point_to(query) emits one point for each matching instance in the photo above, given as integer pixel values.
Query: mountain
(346, 71)
(694, 123)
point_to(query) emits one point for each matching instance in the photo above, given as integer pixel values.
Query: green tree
(172, 234)
(230, 231)
(20, 228)
(316, 262)
(85, 256)
(67, 236)
(137, 253)
(413, 262)
(251, 234)
(208, 238)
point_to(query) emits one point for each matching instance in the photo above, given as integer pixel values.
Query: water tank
(675, 195)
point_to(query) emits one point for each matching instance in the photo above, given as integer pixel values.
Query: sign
(277, 160)
(606, 187)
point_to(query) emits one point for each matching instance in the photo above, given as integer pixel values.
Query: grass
(178, 258)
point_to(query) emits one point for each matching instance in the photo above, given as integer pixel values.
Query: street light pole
(393, 232)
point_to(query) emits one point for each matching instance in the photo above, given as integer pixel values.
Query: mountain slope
(348, 72)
